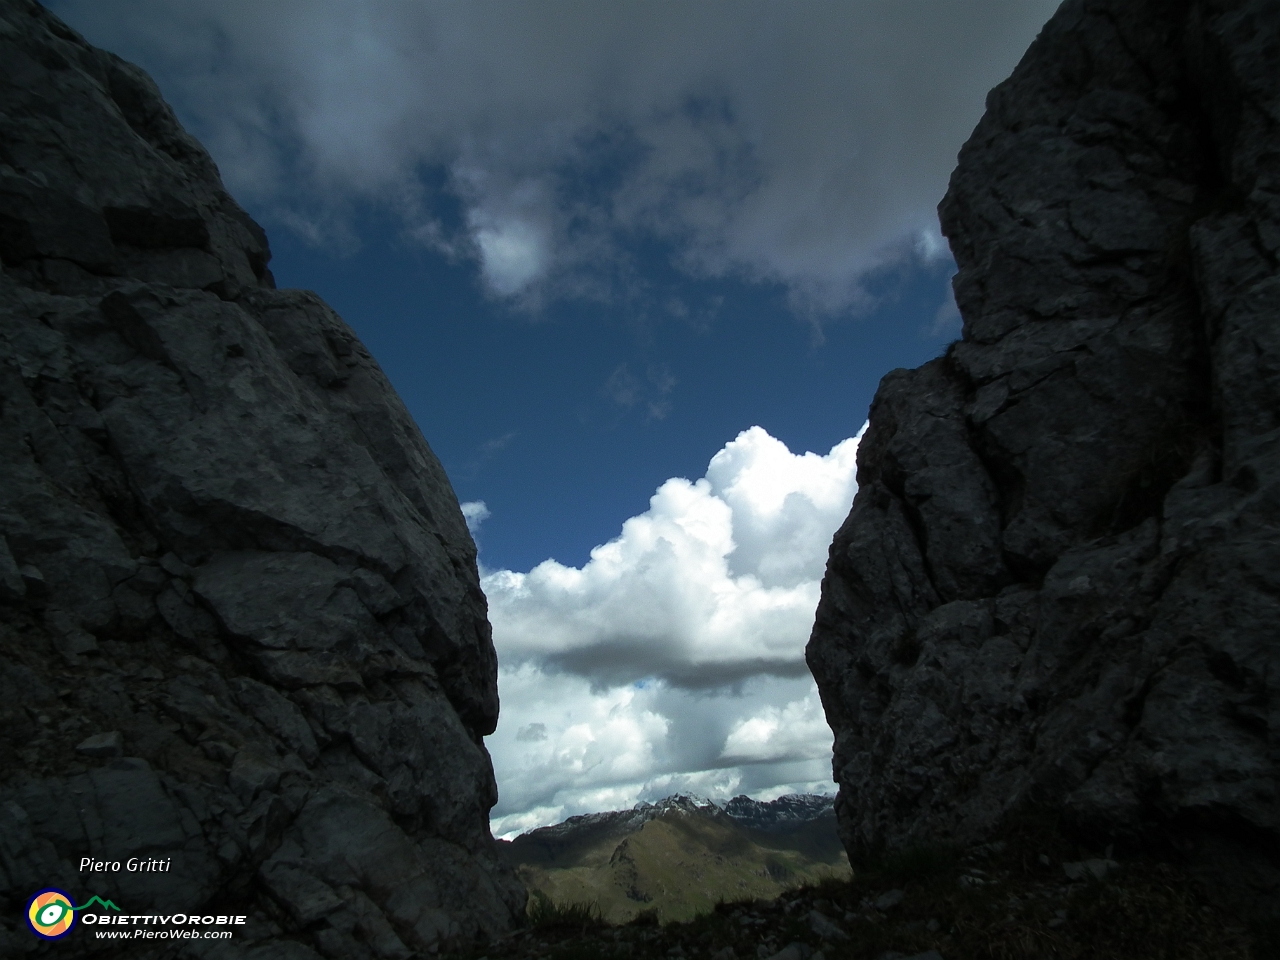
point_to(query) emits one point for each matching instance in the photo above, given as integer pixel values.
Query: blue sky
(636, 269)
(564, 422)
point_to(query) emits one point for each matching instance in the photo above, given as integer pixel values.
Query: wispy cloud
(482, 454)
(625, 390)
(622, 387)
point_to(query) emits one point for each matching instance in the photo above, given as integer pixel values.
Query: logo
(50, 914)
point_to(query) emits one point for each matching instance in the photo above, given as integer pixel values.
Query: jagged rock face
(1059, 585)
(241, 622)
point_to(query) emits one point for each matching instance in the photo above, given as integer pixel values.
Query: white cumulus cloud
(797, 729)
(565, 747)
(717, 581)
(674, 658)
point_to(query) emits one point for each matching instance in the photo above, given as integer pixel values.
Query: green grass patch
(547, 915)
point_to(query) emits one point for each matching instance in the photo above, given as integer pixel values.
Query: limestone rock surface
(1058, 590)
(240, 621)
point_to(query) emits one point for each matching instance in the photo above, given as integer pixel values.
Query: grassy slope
(1006, 901)
(681, 865)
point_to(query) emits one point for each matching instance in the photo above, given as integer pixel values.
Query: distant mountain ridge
(680, 855)
(781, 815)
(785, 813)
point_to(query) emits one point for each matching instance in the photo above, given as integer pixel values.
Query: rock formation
(1058, 589)
(241, 622)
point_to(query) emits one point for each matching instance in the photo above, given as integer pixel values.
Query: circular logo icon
(50, 914)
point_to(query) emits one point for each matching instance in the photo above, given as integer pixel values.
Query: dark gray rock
(240, 617)
(109, 744)
(1057, 590)
(824, 927)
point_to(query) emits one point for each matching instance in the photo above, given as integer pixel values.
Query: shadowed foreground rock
(1059, 586)
(240, 618)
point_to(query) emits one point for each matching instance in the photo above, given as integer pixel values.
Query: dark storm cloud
(803, 143)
